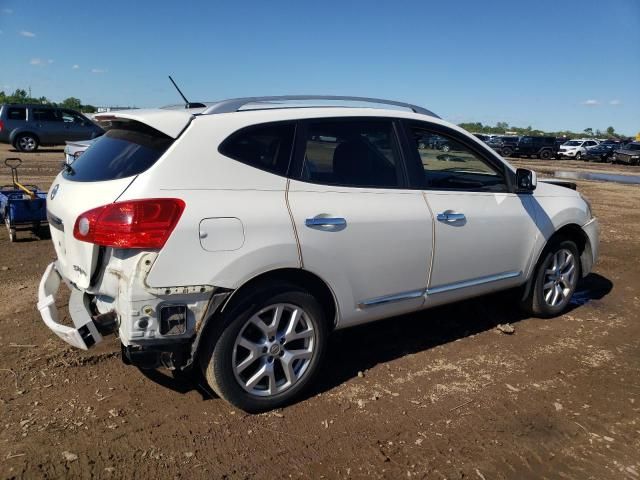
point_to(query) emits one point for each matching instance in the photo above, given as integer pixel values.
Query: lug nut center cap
(274, 349)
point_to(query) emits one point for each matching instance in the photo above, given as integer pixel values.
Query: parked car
(204, 239)
(599, 153)
(27, 126)
(629, 154)
(504, 145)
(540, 147)
(575, 148)
(482, 136)
(73, 150)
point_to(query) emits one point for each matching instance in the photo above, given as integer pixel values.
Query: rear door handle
(450, 217)
(325, 222)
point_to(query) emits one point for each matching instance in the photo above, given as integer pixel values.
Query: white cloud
(98, 70)
(26, 33)
(76, 66)
(40, 62)
(591, 102)
(8, 11)
(615, 102)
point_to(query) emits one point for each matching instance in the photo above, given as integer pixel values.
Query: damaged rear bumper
(84, 334)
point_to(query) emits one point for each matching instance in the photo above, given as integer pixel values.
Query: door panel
(489, 247)
(374, 250)
(483, 232)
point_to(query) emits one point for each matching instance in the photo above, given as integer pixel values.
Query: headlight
(635, 156)
(588, 204)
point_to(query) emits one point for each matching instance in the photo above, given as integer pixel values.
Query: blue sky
(549, 64)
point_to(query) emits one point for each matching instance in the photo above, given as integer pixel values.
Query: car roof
(172, 119)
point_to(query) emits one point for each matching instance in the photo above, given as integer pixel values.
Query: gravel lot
(438, 394)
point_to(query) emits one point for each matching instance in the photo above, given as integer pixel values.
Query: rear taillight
(132, 224)
(1, 125)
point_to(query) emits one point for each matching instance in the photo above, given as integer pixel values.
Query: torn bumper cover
(84, 334)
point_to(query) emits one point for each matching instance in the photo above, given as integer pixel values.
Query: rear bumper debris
(84, 334)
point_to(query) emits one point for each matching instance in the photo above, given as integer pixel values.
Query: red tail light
(132, 224)
(1, 125)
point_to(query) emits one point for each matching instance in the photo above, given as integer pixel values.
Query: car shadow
(361, 348)
(40, 150)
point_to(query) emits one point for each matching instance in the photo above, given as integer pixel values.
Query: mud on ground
(439, 394)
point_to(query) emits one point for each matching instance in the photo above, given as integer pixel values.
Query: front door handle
(450, 217)
(325, 222)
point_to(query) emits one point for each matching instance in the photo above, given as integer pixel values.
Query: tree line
(502, 128)
(21, 96)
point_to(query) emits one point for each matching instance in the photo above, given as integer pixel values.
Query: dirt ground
(438, 394)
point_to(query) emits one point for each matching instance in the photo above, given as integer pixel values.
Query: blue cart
(22, 207)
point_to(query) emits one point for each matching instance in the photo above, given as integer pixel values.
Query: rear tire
(555, 279)
(507, 152)
(268, 348)
(26, 142)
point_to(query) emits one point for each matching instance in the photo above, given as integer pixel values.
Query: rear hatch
(98, 177)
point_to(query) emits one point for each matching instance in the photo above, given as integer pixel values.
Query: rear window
(119, 153)
(16, 113)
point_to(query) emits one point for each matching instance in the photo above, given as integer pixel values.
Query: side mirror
(526, 180)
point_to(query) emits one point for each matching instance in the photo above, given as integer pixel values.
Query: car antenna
(187, 104)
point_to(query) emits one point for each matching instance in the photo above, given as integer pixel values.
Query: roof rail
(235, 104)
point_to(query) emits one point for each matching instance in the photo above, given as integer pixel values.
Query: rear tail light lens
(1, 125)
(132, 224)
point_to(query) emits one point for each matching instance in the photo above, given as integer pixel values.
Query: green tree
(72, 102)
(611, 131)
(589, 131)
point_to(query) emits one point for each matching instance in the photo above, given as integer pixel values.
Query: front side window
(354, 153)
(267, 147)
(72, 117)
(448, 164)
(16, 113)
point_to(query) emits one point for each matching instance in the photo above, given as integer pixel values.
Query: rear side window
(46, 115)
(353, 153)
(14, 113)
(119, 153)
(267, 147)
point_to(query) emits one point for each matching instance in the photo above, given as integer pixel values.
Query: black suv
(505, 146)
(26, 126)
(540, 147)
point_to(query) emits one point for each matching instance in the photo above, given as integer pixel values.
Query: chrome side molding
(473, 282)
(399, 297)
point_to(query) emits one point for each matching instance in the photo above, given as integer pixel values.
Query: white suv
(575, 148)
(237, 236)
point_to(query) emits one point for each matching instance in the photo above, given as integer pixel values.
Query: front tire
(26, 142)
(578, 155)
(545, 155)
(269, 349)
(555, 280)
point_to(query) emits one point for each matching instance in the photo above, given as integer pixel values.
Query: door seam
(293, 224)
(433, 241)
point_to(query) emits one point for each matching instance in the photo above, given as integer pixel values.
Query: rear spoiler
(169, 122)
(560, 183)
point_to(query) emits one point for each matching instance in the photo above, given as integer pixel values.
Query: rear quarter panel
(214, 186)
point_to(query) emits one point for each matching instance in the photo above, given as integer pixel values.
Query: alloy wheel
(26, 144)
(560, 278)
(274, 349)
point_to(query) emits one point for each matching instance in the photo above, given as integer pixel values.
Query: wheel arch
(295, 276)
(211, 328)
(13, 138)
(569, 231)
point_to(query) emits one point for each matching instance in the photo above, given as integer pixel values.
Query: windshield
(633, 146)
(122, 152)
